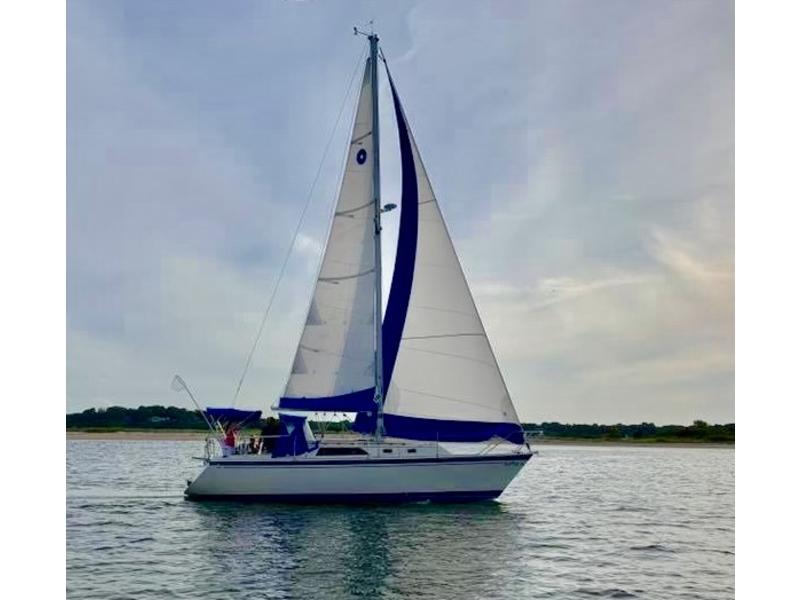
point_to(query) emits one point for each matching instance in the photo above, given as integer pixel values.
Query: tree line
(699, 430)
(172, 417)
(161, 417)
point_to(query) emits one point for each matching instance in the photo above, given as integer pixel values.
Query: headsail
(443, 380)
(333, 368)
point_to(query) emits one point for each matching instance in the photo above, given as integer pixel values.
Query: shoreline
(629, 444)
(188, 436)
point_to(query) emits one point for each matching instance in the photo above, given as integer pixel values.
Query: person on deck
(229, 441)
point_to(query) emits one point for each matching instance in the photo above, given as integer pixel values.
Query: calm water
(579, 522)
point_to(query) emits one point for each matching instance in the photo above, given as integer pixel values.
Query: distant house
(158, 419)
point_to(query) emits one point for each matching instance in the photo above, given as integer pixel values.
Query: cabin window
(412, 450)
(387, 450)
(338, 451)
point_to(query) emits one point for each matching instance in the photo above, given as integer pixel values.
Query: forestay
(335, 356)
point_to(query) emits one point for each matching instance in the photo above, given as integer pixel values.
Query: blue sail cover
(359, 401)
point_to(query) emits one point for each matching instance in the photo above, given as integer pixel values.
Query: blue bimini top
(232, 415)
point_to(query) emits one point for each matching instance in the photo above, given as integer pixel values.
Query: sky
(582, 153)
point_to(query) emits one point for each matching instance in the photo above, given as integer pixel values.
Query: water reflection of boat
(436, 416)
(349, 552)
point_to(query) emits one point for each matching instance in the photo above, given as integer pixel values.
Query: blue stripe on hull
(465, 496)
(368, 462)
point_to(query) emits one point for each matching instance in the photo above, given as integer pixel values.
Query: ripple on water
(610, 593)
(653, 548)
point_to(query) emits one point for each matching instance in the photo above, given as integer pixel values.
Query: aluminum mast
(376, 190)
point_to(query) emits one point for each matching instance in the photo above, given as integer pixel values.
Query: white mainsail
(337, 347)
(445, 369)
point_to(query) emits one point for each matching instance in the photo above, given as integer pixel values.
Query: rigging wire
(282, 270)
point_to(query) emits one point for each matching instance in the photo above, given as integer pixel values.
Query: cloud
(608, 344)
(582, 155)
(173, 236)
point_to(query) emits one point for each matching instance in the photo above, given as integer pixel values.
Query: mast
(376, 191)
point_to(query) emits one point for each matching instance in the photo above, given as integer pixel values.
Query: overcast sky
(582, 153)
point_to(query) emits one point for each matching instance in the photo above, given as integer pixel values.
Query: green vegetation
(699, 431)
(160, 418)
(144, 417)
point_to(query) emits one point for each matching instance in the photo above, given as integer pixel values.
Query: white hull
(311, 479)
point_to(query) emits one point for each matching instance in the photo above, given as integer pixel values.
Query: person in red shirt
(229, 441)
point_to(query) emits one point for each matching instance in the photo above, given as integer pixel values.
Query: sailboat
(435, 418)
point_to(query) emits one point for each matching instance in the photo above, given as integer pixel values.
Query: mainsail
(440, 377)
(334, 362)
